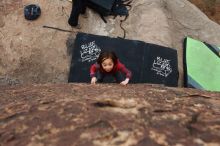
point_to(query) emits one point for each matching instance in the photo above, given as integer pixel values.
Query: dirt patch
(210, 7)
(10, 6)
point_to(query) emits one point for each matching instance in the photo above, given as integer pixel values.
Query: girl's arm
(126, 71)
(93, 69)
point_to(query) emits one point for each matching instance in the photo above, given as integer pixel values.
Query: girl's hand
(125, 82)
(93, 80)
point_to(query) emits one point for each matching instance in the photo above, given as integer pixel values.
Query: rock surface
(33, 54)
(108, 115)
(100, 115)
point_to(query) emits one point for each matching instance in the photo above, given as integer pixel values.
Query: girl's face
(108, 64)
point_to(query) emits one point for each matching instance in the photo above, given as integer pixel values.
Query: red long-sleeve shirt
(118, 67)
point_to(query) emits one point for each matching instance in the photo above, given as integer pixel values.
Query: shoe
(73, 24)
(78, 26)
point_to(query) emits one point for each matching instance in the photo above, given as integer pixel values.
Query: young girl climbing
(109, 64)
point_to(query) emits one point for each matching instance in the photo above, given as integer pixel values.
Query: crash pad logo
(89, 52)
(162, 66)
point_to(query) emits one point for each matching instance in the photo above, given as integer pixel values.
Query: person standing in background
(78, 7)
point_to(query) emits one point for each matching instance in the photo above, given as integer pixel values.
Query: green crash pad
(201, 65)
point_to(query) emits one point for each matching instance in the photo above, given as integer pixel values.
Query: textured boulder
(33, 54)
(107, 115)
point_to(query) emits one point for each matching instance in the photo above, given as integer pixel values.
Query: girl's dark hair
(106, 55)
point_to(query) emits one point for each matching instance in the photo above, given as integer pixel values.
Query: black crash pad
(149, 63)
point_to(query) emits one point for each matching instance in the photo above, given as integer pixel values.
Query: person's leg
(119, 76)
(74, 16)
(84, 4)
